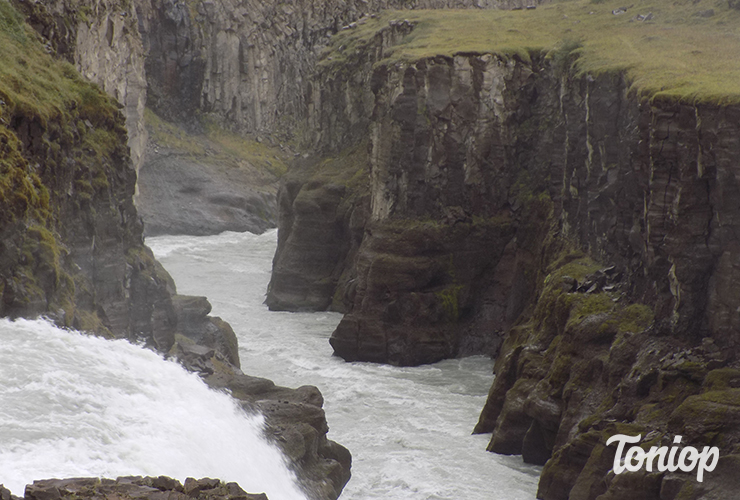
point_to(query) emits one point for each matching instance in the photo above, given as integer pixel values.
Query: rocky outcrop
(125, 488)
(72, 245)
(583, 369)
(294, 419)
(590, 230)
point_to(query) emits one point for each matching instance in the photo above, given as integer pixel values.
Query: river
(408, 428)
(74, 405)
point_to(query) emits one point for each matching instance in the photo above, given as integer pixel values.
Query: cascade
(75, 405)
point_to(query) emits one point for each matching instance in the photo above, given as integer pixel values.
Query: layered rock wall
(438, 208)
(590, 229)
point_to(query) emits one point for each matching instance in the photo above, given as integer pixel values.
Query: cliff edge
(548, 185)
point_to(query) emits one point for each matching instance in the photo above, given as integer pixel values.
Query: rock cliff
(248, 64)
(100, 37)
(71, 242)
(474, 198)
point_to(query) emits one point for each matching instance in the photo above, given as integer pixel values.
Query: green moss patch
(22, 194)
(216, 145)
(721, 379)
(350, 168)
(33, 84)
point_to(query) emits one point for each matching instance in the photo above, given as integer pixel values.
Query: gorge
(553, 185)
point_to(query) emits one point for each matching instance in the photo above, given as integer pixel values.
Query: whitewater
(73, 405)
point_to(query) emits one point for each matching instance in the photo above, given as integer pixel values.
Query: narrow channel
(408, 428)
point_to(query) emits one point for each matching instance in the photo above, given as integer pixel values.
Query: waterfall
(74, 405)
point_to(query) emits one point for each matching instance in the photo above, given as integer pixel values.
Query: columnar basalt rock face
(248, 64)
(442, 220)
(439, 219)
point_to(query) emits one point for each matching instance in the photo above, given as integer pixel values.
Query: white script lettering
(688, 459)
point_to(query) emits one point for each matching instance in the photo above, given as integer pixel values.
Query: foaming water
(72, 405)
(408, 428)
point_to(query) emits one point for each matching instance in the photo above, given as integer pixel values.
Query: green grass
(33, 84)
(676, 55)
(216, 145)
(38, 88)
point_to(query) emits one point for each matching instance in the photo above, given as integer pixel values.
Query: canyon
(572, 224)
(576, 222)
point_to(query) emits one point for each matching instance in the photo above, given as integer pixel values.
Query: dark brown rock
(294, 418)
(136, 487)
(614, 254)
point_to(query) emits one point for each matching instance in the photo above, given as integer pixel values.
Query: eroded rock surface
(133, 487)
(590, 231)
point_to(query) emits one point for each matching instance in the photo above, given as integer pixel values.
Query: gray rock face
(486, 184)
(249, 64)
(178, 195)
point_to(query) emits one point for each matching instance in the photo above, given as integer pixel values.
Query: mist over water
(72, 405)
(408, 428)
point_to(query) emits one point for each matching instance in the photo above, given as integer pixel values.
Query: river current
(73, 405)
(408, 428)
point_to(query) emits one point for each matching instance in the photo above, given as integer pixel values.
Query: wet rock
(194, 324)
(137, 487)
(294, 421)
(194, 486)
(5, 494)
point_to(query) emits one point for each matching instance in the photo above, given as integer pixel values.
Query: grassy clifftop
(684, 49)
(68, 111)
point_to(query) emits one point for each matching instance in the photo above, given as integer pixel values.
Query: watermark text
(688, 459)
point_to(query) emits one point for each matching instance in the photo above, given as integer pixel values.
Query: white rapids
(408, 428)
(73, 405)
